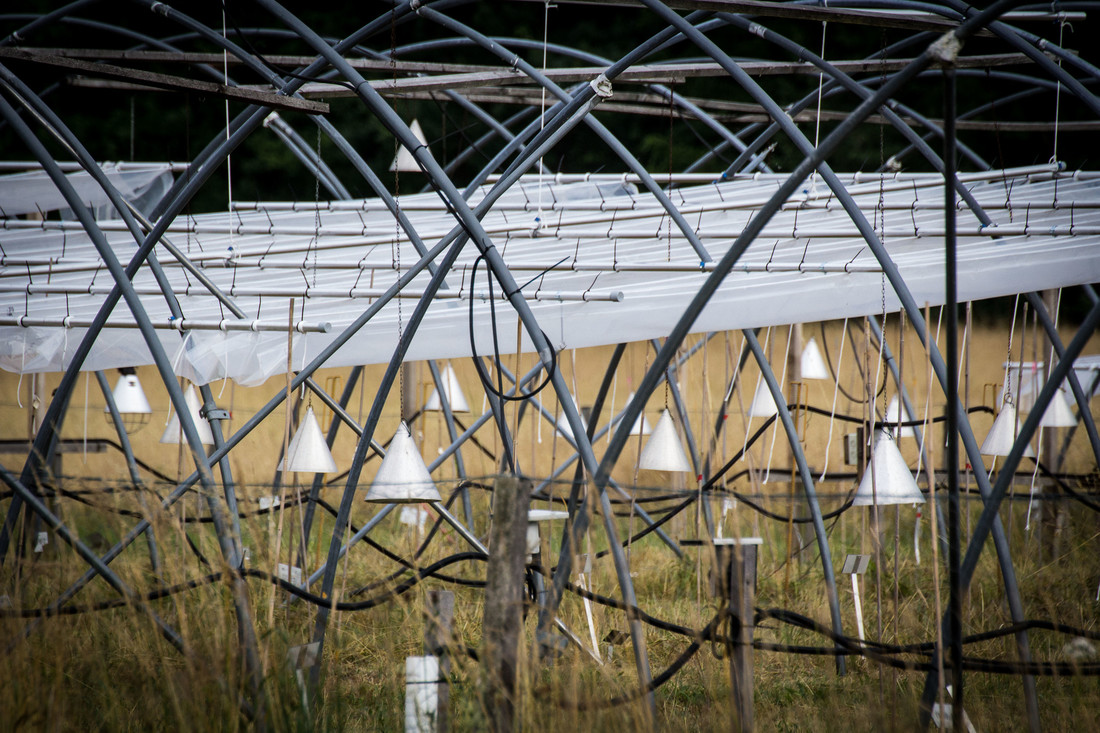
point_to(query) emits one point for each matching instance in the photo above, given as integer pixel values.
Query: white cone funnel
(453, 392)
(812, 365)
(308, 451)
(663, 452)
(893, 482)
(762, 403)
(404, 162)
(402, 478)
(563, 422)
(894, 416)
(641, 425)
(1059, 414)
(173, 434)
(130, 400)
(1003, 433)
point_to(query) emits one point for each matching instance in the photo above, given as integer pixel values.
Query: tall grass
(112, 670)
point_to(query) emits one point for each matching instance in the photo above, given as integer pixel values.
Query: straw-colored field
(110, 669)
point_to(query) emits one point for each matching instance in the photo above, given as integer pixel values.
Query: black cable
(498, 391)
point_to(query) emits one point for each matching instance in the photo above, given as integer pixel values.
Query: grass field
(111, 670)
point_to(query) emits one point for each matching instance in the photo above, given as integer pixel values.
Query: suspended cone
(451, 390)
(563, 422)
(1003, 434)
(893, 483)
(893, 417)
(308, 451)
(132, 405)
(812, 365)
(402, 478)
(663, 452)
(641, 425)
(1059, 413)
(762, 403)
(404, 162)
(173, 434)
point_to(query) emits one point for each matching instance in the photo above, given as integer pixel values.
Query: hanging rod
(176, 324)
(313, 292)
(67, 166)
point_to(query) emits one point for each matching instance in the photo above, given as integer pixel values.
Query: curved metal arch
(44, 20)
(840, 81)
(122, 283)
(1079, 395)
(1038, 86)
(604, 134)
(1015, 37)
(471, 224)
(228, 537)
(829, 88)
(813, 159)
(682, 102)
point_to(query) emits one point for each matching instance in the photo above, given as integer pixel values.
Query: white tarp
(603, 237)
(34, 192)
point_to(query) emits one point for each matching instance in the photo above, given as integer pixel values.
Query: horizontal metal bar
(70, 166)
(305, 292)
(185, 324)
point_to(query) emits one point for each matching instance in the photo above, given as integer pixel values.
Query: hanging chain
(1008, 355)
(397, 209)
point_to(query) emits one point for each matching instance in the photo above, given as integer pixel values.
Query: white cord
(1058, 94)
(832, 411)
(782, 381)
(817, 122)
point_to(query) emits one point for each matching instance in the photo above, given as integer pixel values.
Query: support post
(736, 565)
(503, 619)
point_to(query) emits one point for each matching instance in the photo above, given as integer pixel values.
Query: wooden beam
(146, 79)
(662, 74)
(187, 57)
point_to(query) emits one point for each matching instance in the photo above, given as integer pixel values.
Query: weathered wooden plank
(249, 95)
(503, 616)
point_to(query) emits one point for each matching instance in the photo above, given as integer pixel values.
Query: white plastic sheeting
(33, 192)
(597, 260)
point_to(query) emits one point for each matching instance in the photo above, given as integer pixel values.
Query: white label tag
(290, 573)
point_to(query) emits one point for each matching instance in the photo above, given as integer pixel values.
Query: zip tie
(601, 85)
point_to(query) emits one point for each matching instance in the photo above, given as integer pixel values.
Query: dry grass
(111, 670)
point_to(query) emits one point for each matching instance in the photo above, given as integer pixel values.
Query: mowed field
(110, 668)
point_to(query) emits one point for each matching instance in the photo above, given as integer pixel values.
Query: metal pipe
(131, 466)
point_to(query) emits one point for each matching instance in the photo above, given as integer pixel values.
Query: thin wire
(1058, 93)
(832, 410)
(229, 156)
(542, 108)
(820, 88)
